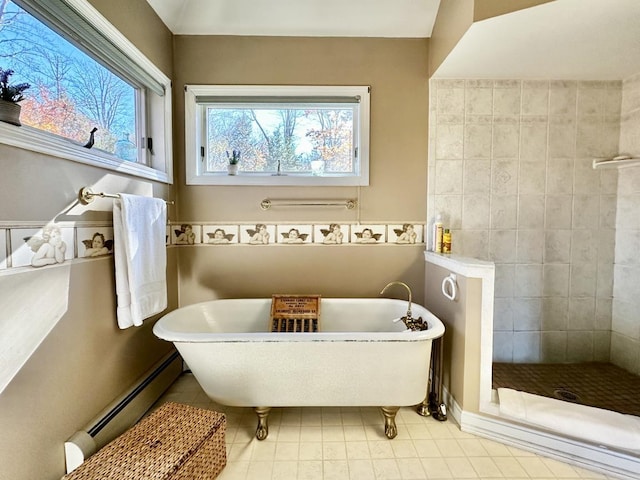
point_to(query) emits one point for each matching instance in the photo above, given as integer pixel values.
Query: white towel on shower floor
(596, 425)
(140, 254)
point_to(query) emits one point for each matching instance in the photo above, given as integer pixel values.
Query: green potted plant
(10, 95)
(233, 158)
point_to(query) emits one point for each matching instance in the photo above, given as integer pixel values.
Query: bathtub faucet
(409, 321)
(408, 317)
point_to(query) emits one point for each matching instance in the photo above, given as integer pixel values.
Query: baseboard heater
(124, 412)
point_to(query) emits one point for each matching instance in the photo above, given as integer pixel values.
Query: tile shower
(510, 170)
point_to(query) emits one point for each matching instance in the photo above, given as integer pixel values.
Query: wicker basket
(174, 442)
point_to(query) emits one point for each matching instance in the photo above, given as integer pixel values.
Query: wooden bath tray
(295, 313)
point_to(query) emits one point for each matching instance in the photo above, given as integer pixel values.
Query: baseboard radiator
(124, 412)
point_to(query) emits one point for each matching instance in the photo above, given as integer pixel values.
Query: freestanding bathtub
(359, 356)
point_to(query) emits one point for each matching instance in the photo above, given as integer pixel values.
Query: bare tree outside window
(71, 92)
(284, 140)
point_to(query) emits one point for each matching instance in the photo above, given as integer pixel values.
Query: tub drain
(564, 394)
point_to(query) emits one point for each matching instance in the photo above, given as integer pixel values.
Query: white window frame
(194, 132)
(157, 117)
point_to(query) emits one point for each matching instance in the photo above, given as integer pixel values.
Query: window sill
(39, 141)
(275, 180)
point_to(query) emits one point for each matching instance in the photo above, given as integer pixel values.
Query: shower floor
(600, 385)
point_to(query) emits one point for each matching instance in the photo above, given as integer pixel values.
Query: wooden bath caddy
(295, 313)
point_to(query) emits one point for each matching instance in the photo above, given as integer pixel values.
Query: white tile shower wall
(625, 335)
(510, 172)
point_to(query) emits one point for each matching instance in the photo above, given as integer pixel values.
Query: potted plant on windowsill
(10, 95)
(234, 158)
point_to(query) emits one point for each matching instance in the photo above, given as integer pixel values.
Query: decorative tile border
(30, 245)
(301, 233)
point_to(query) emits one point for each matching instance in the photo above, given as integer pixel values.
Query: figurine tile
(49, 245)
(331, 234)
(220, 234)
(294, 234)
(258, 234)
(368, 234)
(94, 241)
(406, 233)
(186, 234)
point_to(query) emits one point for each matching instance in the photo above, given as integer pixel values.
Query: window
(286, 135)
(84, 74)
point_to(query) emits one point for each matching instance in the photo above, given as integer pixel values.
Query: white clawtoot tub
(359, 357)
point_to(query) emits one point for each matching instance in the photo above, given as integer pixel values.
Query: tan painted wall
(453, 20)
(484, 9)
(461, 353)
(396, 70)
(86, 361)
(137, 21)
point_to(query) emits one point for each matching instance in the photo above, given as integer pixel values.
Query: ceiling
(563, 39)
(323, 18)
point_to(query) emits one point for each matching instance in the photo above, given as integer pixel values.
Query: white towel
(139, 230)
(596, 425)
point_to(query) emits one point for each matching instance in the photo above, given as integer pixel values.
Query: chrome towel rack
(86, 196)
(348, 203)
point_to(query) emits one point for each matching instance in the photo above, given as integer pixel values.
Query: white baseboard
(570, 450)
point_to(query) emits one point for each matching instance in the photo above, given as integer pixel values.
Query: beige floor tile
(354, 432)
(358, 450)
(386, 469)
(380, 449)
(449, 448)
(361, 470)
(332, 433)
(335, 470)
(411, 469)
(495, 449)
(436, 468)
(289, 433)
(461, 468)
(310, 451)
(310, 470)
(311, 434)
(287, 470)
(535, 467)
(485, 467)
(472, 447)
(403, 449)
(426, 448)
(234, 471)
(287, 451)
(334, 451)
(260, 469)
(510, 467)
(559, 469)
(418, 431)
(344, 443)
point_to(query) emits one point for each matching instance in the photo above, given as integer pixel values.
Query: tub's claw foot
(390, 429)
(423, 408)
(263, 422)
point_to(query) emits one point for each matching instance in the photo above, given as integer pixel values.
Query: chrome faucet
(408, 290)
(409, 321)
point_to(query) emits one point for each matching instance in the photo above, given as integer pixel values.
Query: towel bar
(86, 196)
(266, 204)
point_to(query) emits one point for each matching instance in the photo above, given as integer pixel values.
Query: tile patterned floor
(349, 444)
(601, 385)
